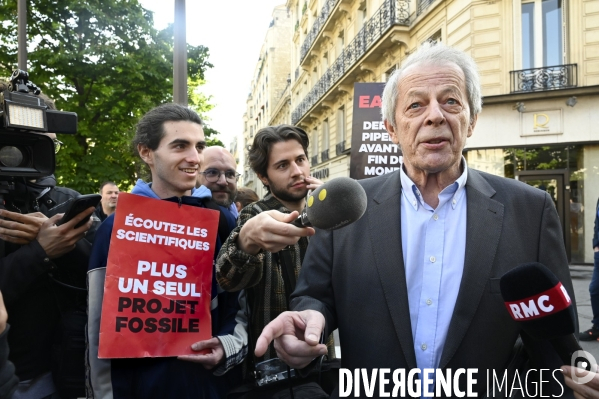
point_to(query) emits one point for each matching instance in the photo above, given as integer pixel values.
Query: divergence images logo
(583, 360)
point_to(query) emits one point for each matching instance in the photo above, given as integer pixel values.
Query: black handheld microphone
(535, 298)
(335, 204)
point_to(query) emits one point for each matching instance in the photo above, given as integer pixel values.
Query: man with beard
(218, 172)
(252, 258)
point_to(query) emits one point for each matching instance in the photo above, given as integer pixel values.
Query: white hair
(435, 55)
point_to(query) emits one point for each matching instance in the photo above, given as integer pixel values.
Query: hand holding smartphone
(78, 205)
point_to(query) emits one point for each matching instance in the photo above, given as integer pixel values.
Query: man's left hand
(215, 355)
(20, 228)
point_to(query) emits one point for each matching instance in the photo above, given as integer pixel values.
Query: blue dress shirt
(434, 245)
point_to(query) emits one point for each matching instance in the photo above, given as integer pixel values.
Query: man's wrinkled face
(110, 195)
(432, 118)
(218, 160)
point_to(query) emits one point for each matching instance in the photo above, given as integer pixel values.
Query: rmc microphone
(535, 298)
(334, 204)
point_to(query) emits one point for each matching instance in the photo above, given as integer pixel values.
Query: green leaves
(104, 60)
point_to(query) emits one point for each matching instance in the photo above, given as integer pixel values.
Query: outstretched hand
(271, 231)
(296, 336)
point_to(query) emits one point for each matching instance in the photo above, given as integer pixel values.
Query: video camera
(22, 113)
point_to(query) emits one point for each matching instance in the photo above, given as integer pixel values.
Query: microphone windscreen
(537, 299)
(336, 203)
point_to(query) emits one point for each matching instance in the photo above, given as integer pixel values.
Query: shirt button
(432, 259)
(423, 347)
(453, 202)
(414, 203)
(429, 302)
(436, 217)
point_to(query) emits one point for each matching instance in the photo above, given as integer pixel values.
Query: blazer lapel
(388, 259)
(484, 224)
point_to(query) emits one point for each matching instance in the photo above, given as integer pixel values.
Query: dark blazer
(355, 276)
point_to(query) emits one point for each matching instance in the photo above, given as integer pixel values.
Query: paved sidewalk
(581, 278)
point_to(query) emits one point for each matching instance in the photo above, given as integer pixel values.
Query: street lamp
(180, 55)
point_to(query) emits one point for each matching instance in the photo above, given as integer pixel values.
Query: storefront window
(579, 166)
(587, 188)
(490, 161)
(546, 158)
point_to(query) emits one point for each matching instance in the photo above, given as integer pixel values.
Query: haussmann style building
(539, 66)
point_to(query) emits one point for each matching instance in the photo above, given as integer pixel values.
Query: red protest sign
(158, 279)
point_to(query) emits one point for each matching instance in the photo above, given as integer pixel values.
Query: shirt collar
(457, 188)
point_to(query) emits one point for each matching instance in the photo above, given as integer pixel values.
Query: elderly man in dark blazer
(415, 282)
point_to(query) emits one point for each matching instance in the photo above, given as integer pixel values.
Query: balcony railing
(422, 5)
(324, 156)
(392, 12)
(340, 147)
(325, 12)
(314, 160)
(546, 78)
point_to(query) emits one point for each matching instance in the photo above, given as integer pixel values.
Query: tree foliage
(104, 60)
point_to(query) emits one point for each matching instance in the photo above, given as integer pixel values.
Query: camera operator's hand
(58, 240)
(18, 228)
(3, 314)
(213, 355)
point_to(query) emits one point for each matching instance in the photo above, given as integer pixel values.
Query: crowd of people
(411, 285)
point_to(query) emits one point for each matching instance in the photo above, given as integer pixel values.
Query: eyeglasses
(212, 175)
(57, 145)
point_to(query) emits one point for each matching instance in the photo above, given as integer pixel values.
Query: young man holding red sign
(170, 140)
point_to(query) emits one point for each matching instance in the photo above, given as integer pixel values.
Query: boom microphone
(535, 298)
(333, 205)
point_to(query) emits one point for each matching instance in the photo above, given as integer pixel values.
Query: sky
(233, 31)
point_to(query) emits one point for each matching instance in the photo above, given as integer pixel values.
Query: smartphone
(78, 205)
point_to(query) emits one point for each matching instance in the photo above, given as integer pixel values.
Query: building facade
(537, 123)
(539, 66)
(268, 86)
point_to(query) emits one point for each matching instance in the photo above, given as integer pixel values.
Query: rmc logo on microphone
(551, 301)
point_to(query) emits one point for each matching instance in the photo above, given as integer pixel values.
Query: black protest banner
(372, 151)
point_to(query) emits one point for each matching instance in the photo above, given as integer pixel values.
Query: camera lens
(10, 156)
